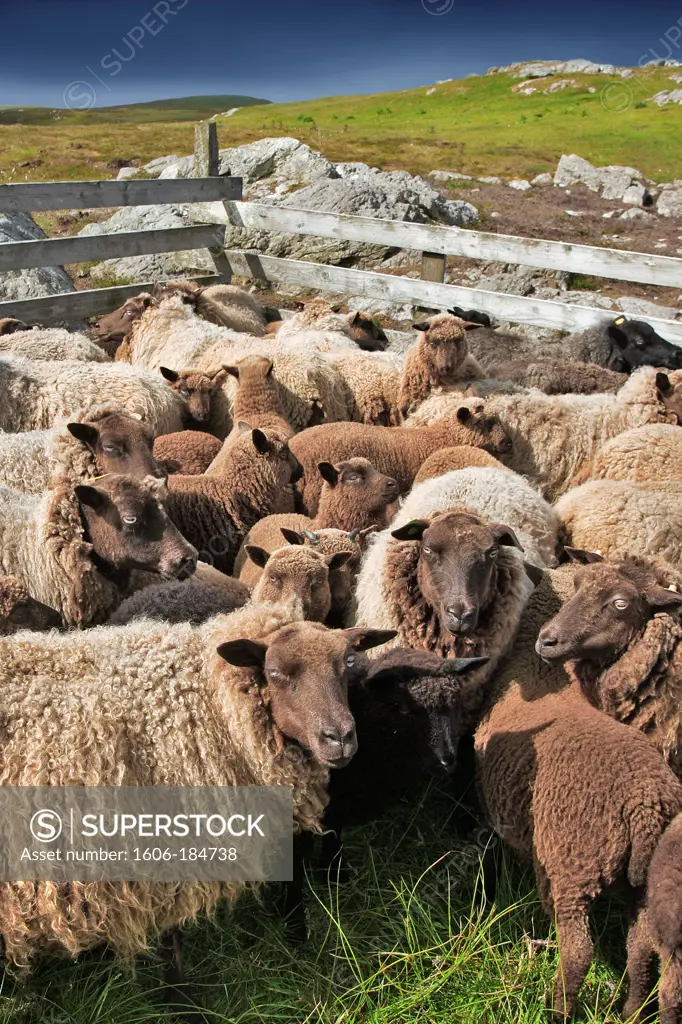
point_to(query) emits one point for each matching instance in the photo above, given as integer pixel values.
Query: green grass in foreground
(405, 942)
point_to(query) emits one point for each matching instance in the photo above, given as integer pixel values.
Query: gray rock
(284, 159)
(182, 168)
(28, 284)
(642, 307)
(612, 181)
(670, 203)
(126, 172)
(520, 184)
(667, 96)
(634, 195)
(154, 167)
(450, 176)
(542, 179)
(634, 214)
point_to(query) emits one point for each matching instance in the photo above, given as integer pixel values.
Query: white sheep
(52, 343)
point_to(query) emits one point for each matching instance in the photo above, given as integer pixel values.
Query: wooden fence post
(207, 165)
(433, 269)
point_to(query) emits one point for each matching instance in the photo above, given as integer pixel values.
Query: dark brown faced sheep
(120, 443)
(196, 389)
(18, 610)
(365, 332)
(8, 325)
(114, 330)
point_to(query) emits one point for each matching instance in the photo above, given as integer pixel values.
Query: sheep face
(303, 672)
(670, 395)
(444, 345)
(471, 316)
(485, 432)
(357, 482)
(18, 610)
(121, 444)
(365, 333)
(611, 606)
(636, 344)
(342, 577)
(196, 389)
(457, 569)
(300, 572)
(116, 327)
(8, 325)
(276, 451)
(128, 528)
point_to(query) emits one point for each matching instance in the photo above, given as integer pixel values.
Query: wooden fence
(435, 241)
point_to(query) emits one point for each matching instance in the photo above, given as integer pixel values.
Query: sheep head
(120, 443)
(196, 389)
(635, 343)
(301, 572)
(352, 490)
(117, 327)
(18, 610)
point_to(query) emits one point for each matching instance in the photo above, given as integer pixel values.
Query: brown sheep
(558, 378)
(643, 455)
(449, 459)
(581, 796)
(397, 452)
(8, 325)
(365, 332)
(300, 572)
(189, 452)
(192, 601)
(622, 636)
(197, 389)
(113, 331)
(216, 512)
(439, 356)
(18, 610)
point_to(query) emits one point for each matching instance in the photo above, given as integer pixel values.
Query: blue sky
(134, 50)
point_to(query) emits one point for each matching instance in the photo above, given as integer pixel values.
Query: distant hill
(184, 108)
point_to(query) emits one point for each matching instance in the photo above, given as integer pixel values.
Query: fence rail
(39, 196)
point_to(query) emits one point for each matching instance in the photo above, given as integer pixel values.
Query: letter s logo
(46, 826)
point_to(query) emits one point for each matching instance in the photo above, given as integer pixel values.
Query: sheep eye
(129, 312)
(109, 447)
(426, 550)
(350, 660)
(129, 520)
(620, 604)
(493, 553)
(274, 579)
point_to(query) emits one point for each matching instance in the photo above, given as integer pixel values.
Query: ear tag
(620, 320)
(673, 587)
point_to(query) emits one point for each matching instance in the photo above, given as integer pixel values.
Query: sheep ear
(423, 325)
(91, 497)
(583, 557)
(505, 535)
(268, 372)
(259, 556)
(468, 326)
(472, 392)
(260, 441)
(84, 432)
(663, 599)
(615, 334)
(663, 383)
(338, 559)
(362, 639)
(533, 572)
(219, 375)
(292, 536)
(232, 370)
(336, 307)
(171, 375)
(312, 538)
(243, 653)
(414, 530)
(328, 473)
(456, 311)
(353, 316)
(243, 427)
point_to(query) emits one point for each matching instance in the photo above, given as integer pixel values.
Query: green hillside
(187, 108)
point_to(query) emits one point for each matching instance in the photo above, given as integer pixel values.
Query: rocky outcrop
(611, 182)
(543, 68)
(670, 203)
(28, 284)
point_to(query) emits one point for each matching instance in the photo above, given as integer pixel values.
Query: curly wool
(37, 394)
(299, 572)
(256, 402)
(564, 785)
(39, 460)
(190, 601)
(449, 459)
(189, 452)
(371, 381)
(555, 377)
(224, 304)
(42, 543)
(554, 436)
(196, 722)
(52, 344)
(643, 455)
(317, 327)
(614, 515)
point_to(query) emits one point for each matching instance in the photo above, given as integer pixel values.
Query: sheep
(366, 334)
(581, 796)
(497, 494)
(36, 394)
(190, 600)
(454, 584)
(301, 572)
(614, 515)
(75, 547)
(19, 611)
(51, 343)
(448, 459)
(113, 331)
(10, 325)
(555, 377)
(74, 713)
(439, 356)
(216, 512)
(257, 399)
(397, 452)
(318, 326)
(189, 452)
(223, 304)
(621, 634)
(370, 383)
(95, 441)
(198, 390)
(555, 436)
(643, 455)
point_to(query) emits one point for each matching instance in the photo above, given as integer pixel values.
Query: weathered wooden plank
(517, 308)
(55, 252)
(433, 267)
(206, 155)
(79, 305)
(66, 195)
(479, 245)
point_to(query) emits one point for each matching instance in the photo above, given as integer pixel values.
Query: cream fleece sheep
(447, 460)
(37, 394)
(318, 327)
(645, 454)
(52, 343)
(610, 516)
(371, 381)
(222, 304)
(554, 436)
(74, 713)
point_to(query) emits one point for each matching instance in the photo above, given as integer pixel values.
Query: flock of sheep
(244, 550)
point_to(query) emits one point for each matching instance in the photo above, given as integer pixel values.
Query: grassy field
(407, 941)
(475, 125)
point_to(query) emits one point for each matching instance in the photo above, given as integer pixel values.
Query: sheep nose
(448, 760)
(392, 485)
(338, 745)
(461, 620)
